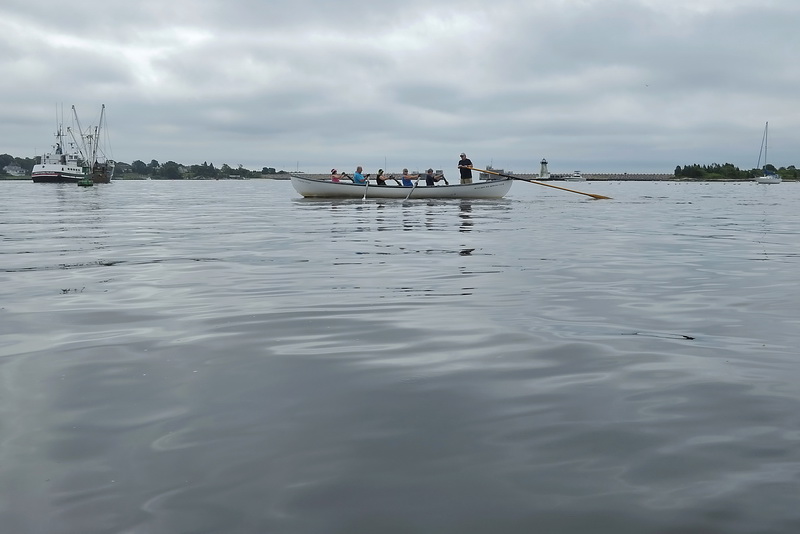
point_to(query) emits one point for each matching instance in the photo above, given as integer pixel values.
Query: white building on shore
(14, 170)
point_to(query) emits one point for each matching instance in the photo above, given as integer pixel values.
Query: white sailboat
(769, 177)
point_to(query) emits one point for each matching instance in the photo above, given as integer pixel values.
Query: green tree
(171, 171)
(26, 163)
(692, 171)
(139, 167)
(205, 171)
(5, 159)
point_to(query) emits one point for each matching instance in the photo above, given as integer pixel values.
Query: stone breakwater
(629, 176)
(601, 176)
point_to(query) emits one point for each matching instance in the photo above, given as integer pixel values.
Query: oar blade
(599, 197)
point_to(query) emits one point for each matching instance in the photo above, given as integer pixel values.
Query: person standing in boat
(431, 179)
(358, 177)
(407, 178)
(465, 167)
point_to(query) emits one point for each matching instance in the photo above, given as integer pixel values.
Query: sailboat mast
(762, 148)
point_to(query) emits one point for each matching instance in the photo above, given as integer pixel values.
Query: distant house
(14, 170)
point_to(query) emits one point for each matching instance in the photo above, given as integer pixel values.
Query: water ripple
(228, 357)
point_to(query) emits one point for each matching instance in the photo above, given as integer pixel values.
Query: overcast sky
(593, 85)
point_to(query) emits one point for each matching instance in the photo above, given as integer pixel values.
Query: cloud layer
(601, 86)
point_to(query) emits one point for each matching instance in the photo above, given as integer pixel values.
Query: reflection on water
(228, 357)
(466, 215)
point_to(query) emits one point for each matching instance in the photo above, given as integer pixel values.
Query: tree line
(168, 171)
(728, 171)
(205, 171)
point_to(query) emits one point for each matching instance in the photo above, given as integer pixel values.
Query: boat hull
(102, 172)
(313, 188)
(771, 179)
(44, 174)
(56, 174)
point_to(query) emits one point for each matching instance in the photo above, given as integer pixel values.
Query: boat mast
(94, 143)
(85, 151)
(763, 149)
(59, 147)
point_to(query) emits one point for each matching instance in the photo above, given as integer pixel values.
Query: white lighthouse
(544, 174)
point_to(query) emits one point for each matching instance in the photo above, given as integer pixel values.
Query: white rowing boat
(314, 188)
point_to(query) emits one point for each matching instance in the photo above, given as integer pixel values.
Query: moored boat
(61, 165)
(769, 176)
(77, 158)
(315, 188)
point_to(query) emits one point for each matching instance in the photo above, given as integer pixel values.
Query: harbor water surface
(227, 357)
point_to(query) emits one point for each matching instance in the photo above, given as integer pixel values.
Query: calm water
(226, 357)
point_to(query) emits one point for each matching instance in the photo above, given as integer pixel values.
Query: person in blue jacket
(407, 178)
(358, 177)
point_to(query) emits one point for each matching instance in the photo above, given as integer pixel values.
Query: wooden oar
(412, 189)
(541, 183)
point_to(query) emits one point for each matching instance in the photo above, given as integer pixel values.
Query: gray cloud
(626, 85)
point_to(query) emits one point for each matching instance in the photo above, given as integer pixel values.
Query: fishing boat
(769, 177)
(61, 165)
(76, 156)
(575, 177)
(316, 188)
